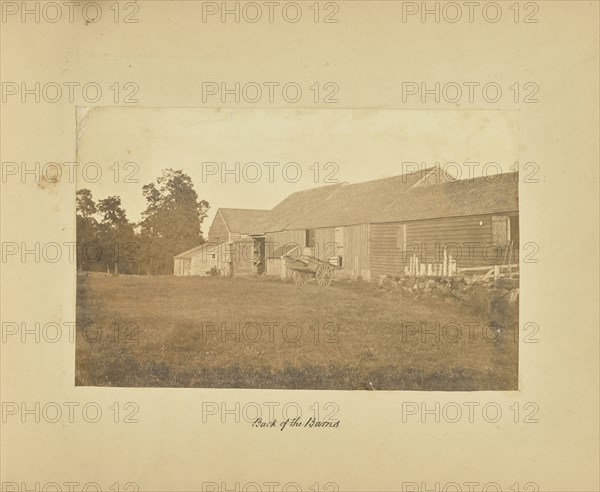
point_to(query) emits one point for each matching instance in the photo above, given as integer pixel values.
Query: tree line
(107, 241)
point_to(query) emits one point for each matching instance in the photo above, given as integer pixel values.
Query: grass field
(260, 333)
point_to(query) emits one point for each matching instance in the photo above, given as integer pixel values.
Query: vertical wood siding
(356, 252)
(273, 242)
(325, 245)
(273, 267)
(351, 243)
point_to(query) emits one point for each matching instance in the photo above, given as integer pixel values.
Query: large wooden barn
(229, 249)
(475, 221)
(333, 222)
(373, 228)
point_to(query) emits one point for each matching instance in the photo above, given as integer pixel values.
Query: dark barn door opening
(259, 255)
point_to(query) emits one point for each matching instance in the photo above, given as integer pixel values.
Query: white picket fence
(447, 268)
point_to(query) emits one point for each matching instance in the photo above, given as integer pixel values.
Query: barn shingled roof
(478, 196)
(336, 205)
(295, 211)
(241, 220)
(359, 203)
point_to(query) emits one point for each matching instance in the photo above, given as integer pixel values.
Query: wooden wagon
(305, 268)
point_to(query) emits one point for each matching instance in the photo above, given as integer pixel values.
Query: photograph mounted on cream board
(319, 245)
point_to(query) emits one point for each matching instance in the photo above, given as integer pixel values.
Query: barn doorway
(259, 254)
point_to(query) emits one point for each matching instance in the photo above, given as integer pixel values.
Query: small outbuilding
(229, 249)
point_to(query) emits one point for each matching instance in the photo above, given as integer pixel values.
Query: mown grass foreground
(261, 333)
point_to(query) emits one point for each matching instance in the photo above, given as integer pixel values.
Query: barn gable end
(228, 249)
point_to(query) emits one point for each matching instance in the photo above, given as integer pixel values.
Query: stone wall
(459, 288)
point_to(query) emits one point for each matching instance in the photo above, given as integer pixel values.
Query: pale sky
(363, 144)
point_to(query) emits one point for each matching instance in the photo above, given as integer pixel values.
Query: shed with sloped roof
(229, 249)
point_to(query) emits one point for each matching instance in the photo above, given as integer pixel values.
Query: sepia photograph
(235, 259)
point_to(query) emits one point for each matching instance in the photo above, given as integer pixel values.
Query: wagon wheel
(324, 274)
(299, 278)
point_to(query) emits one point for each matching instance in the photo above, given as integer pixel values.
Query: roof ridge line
(402, 193)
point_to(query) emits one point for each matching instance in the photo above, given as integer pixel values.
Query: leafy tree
(85, 203)
(116, 236)
(105, 238)
(87, 229)
(171, 223)
(172, 220)
(112, 212)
